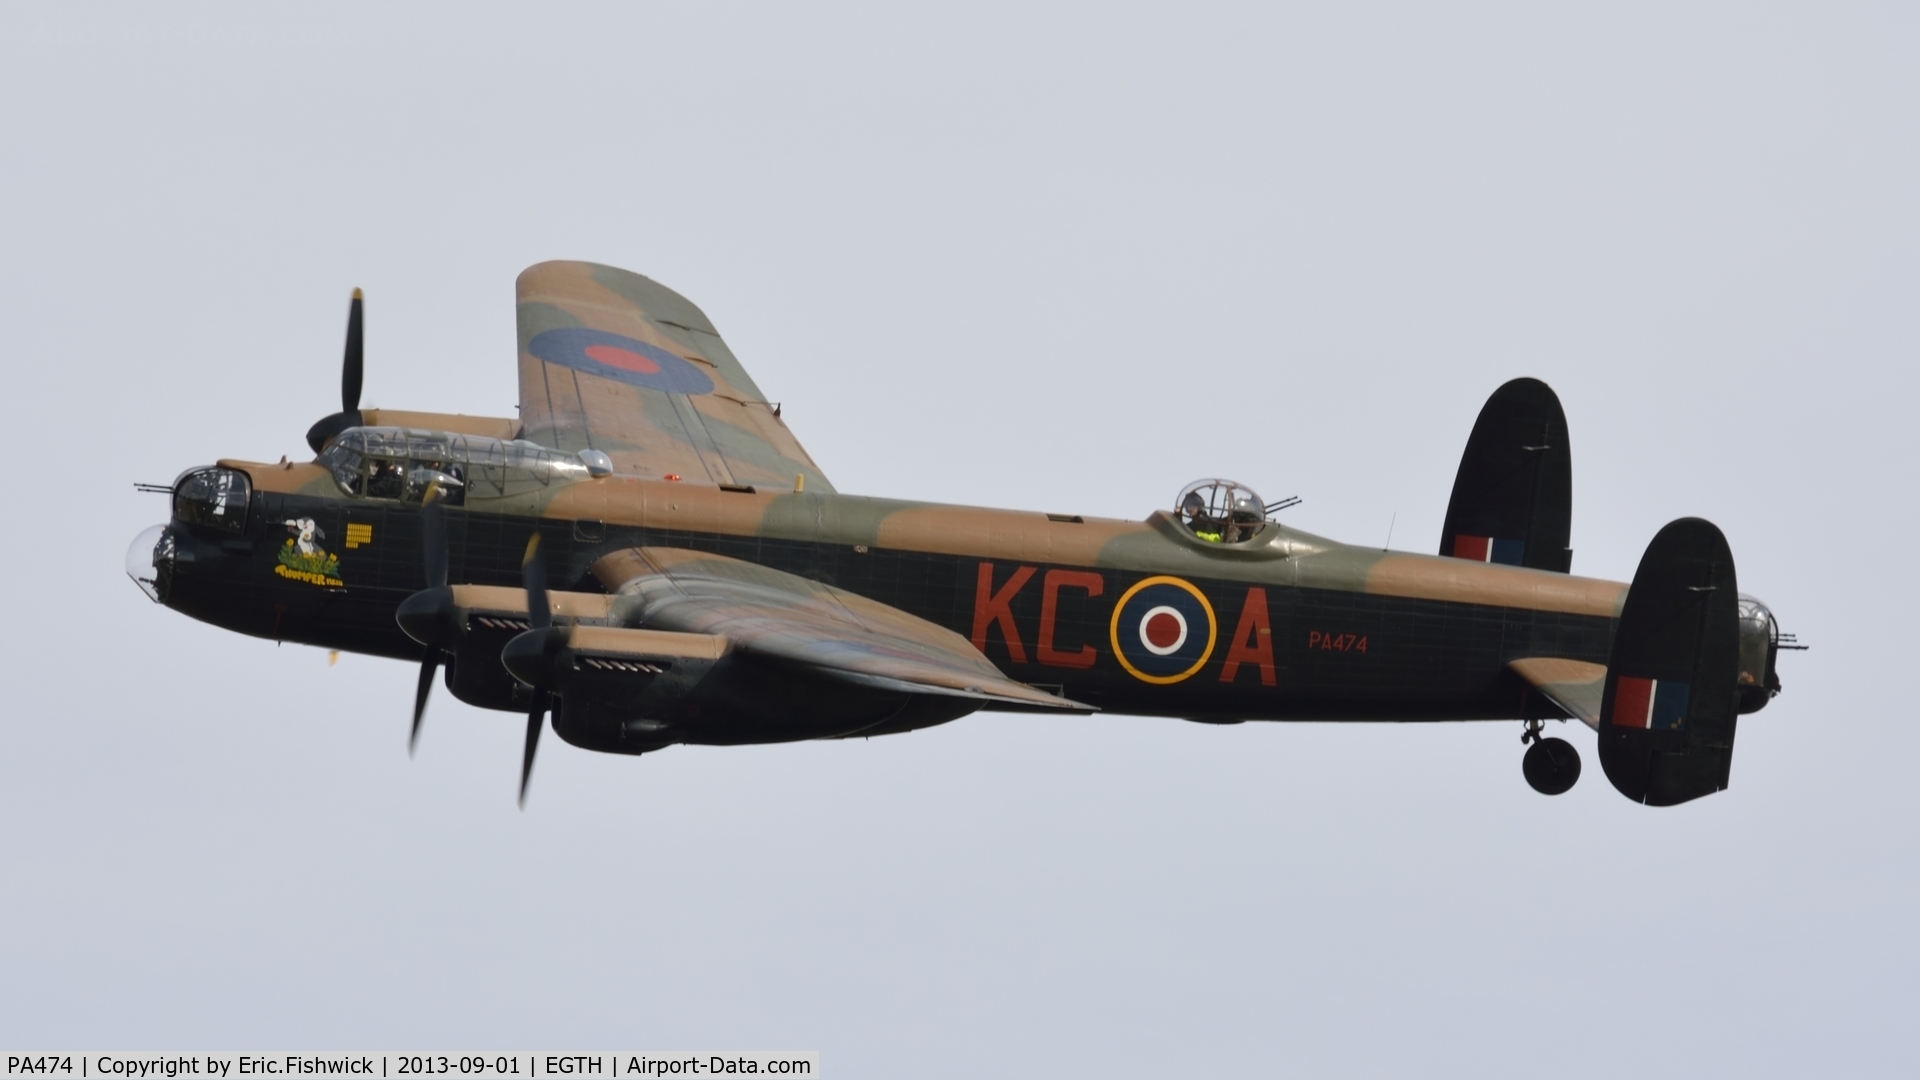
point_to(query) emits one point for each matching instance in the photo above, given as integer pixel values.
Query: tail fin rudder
(1513, 495)
(1672, 693)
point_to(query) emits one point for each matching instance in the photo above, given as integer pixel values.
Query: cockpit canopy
(401, 463)
(1221, 511)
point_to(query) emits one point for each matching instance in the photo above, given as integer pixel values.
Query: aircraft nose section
(150, 562)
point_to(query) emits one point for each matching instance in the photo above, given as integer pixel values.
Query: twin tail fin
(1513, 495)
(1672, 694)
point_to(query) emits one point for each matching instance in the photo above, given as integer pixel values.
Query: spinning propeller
(432, 617)
(537, 645)
(433, 555)
(428, 616)
(352, 368)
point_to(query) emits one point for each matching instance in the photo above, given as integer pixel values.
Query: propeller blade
(427, 668)
(535, 720)
(533, 574)
(354, 365)
(352, 369)
(433, 537)
(433, 555)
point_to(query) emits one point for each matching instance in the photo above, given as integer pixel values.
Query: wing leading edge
(616, 362)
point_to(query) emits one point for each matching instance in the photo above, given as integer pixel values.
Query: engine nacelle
(630, 691)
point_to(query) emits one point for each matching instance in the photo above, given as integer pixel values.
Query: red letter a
(1252, 640)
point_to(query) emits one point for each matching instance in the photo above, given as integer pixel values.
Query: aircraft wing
(615, 362)
(1574, 685)
(834, 633)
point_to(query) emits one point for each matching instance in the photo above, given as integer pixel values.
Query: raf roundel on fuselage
(614, 356)
(1163, 630)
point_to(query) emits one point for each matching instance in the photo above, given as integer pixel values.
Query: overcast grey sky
(1053, 258)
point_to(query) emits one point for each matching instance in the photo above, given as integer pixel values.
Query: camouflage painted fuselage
(647, 555)
(1295, 626)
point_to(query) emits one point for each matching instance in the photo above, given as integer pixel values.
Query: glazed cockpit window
(398, 479)
(215, 498)
(403, 464)
(1221, 511)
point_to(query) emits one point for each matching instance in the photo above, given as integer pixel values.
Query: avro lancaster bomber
(647, 556)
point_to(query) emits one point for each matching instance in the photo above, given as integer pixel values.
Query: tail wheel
(1551, 766)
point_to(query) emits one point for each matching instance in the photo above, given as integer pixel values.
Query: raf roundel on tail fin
(1513, 496)
(1672, 689)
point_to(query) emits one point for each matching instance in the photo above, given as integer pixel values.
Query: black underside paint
(1336, 655)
